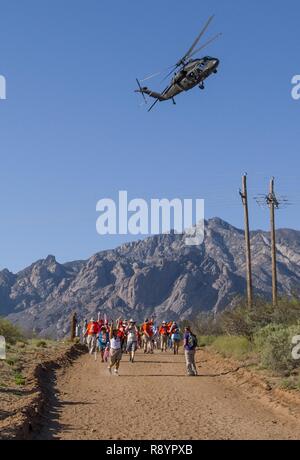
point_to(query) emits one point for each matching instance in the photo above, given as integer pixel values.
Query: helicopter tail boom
(149, 93)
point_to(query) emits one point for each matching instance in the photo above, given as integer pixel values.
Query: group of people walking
(112, 340)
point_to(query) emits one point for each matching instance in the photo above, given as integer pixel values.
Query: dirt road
(153, 399)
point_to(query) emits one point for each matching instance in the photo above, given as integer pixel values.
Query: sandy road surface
(153, 399)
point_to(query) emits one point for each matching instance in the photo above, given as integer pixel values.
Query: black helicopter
(192, 72)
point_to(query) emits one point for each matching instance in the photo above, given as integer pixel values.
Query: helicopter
(192, 72)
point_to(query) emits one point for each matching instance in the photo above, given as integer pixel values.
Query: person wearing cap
(91, 333)
(190, 345)
(131, 332)
(163, 332)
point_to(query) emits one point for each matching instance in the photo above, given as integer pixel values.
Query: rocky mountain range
(160, 275)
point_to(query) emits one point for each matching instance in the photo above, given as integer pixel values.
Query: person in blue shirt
(103, 341)
(175, 337)
(190, 345)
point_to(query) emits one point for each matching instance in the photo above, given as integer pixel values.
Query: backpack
(176, 334)
(192, 341)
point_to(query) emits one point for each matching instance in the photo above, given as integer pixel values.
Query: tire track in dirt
(153, 399)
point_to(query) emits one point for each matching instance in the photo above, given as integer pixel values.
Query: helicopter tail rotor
(141, 91)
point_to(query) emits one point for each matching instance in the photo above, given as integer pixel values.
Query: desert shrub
(206, 324)
(236, 322)
(286, 312)
(185, 323)
(274, 343)
(11, 333)
(290, 383)
(244, 321)
(41, 344)
(233, 346)
(19, 379)
(206, 340)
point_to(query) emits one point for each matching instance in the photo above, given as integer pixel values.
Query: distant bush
(41, 344)
(274, 343)
(232, 346)
(206, 340)
(207, 324)
(243, 321)
(11, 333)
(264, 330)
(236, 322)
(290, 383)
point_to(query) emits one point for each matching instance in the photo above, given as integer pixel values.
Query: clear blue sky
(72, 131)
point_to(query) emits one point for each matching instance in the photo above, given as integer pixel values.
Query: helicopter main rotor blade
(196, 41)
(156, 74)
(194, 52)
(189, 53)
(170, 73)
(154, 103)
(156, 100)
(151, 76)
(206, 44)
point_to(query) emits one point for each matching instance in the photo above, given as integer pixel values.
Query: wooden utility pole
(273, 204)
(244, 196)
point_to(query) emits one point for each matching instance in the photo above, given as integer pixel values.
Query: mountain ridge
(159, 274)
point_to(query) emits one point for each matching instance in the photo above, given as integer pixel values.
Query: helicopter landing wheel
(202, 86)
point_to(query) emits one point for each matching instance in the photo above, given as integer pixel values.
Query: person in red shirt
(147, 330)
(170, 324)
(121, 333)
(91, 333)
(164, 334)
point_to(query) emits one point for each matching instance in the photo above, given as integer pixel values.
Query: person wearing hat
(92, 332)
(163, 332)
(131, 333)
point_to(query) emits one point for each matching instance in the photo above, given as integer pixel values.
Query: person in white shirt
(131, 332)
(115, 349)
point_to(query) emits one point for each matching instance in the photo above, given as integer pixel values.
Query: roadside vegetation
(11, 333)
(263, 333)
(21, 354)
